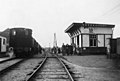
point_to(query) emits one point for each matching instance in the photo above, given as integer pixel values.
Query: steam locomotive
(22, 42)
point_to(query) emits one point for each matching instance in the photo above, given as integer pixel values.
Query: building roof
(75, 26)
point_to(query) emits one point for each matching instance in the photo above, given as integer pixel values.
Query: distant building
(89, 37)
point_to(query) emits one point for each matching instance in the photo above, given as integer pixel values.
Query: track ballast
(51, 69)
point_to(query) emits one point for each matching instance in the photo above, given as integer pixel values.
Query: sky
(46, 17)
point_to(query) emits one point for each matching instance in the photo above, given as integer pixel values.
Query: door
(113, 46)
(0, 44)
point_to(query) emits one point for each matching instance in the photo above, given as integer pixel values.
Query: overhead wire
(112, 11)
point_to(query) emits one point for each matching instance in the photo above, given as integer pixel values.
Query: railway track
(4, 70)
(50, 69)
(7, 60)
(19, 70)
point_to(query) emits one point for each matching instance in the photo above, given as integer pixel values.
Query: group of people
(66, 50)
(70, 50)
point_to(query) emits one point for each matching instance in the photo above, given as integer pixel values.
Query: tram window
(4, 41)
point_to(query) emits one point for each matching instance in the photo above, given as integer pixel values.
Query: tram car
(3, 45)
(21, 41)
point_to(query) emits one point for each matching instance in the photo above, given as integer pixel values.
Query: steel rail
(10, 67)
(7, 60)
(35, 71)
(70, 76)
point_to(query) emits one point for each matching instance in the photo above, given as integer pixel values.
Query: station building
(90, 38)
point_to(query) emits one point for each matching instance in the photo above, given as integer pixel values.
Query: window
(93, 40)
(13, 32)
(78, 40)
(4, 42)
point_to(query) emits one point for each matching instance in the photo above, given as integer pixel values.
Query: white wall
(97, 30)
(100, 40)
(79, 40)
(107, 40)
(84, 30)
(103, 30)
(75, 40)
(85, 40)
(70, 40)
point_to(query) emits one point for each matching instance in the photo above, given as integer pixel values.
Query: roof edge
(90, 25)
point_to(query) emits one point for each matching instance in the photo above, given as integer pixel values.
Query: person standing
(63, 49)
